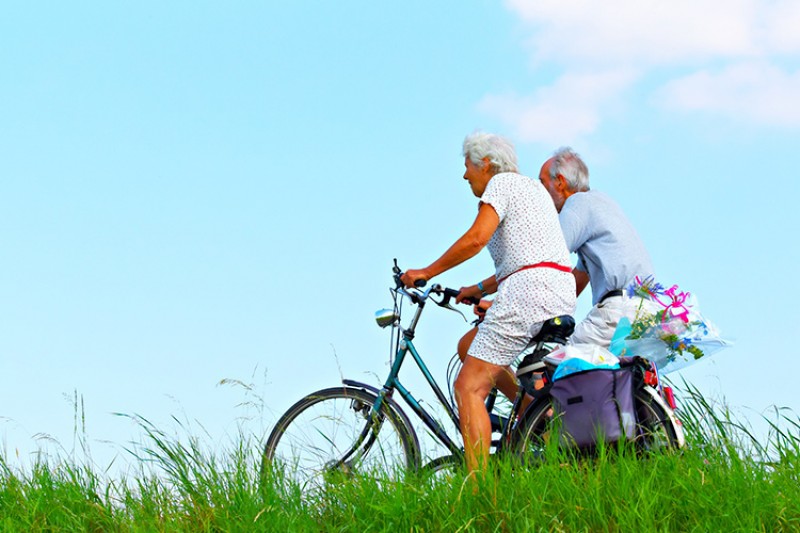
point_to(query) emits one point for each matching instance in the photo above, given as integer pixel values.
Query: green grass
(726, 480)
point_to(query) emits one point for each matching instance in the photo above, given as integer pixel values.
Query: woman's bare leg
(473, 384)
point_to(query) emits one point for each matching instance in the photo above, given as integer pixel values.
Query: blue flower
(644, 288)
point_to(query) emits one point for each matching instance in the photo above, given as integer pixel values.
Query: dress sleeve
(498, 194)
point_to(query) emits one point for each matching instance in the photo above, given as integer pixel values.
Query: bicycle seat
(557, 329)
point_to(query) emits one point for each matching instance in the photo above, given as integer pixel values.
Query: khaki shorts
(599, 325)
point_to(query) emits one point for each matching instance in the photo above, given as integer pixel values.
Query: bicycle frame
(405, 346)
(393, 383)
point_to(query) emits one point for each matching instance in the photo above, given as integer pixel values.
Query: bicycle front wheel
(331, 434)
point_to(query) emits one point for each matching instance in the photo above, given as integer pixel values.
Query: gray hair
(569, 164)
(499, 150)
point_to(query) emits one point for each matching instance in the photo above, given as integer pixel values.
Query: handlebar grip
(419, 283)
(451, 293)
(471, 301)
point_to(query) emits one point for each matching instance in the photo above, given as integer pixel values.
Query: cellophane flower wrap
(673, 336)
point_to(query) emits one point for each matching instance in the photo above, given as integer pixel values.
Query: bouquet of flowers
(670, 331)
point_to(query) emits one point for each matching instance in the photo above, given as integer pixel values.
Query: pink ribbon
(675, 308)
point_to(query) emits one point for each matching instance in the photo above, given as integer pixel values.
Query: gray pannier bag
(595, 405)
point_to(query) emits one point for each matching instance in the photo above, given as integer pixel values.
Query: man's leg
(599, 325)
(473, 384)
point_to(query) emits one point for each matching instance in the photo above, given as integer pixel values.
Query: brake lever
(418, 284)
(445, 302)
(471, 301)
(396, 272)
(447, 305)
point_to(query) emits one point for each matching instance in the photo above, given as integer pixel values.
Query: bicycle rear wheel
(331, 434)
(657, 428)
(534, 431)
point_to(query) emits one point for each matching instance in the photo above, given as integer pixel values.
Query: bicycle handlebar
(446, 292)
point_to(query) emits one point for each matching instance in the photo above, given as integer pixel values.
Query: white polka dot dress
(528, 233)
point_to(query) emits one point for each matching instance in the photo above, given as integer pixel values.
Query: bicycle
(359, 428)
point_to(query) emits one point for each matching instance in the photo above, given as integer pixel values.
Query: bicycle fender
(392, 405)
(676, 423)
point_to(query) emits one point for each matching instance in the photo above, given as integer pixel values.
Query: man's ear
(561, 184)
(486, 164)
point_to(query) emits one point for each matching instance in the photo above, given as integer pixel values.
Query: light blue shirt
(608, 247)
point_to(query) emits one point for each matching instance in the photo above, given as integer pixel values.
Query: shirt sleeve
(497, 194)
(574, 225)
(581, 265)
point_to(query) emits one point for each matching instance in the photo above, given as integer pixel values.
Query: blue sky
(191, 192)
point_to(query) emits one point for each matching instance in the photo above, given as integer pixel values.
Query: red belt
(545, 264)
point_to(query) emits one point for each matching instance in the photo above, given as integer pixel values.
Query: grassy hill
(725, 480)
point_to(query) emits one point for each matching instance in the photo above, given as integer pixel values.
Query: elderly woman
(533, 278)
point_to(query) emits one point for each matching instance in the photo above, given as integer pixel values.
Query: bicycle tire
(657, 428)
(532, 435)
(444, 465)
(309, 445)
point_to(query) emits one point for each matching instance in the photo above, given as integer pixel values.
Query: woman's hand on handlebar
(481, 308)
(469, 295)
(411, 277)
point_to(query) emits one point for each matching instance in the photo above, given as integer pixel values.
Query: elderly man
(517, 222)
(610, 252)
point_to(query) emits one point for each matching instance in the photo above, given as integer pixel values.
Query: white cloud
(759, 92)
(562, 112)
(780, 30)
(643, 32)
(655, 32)
(743, 41)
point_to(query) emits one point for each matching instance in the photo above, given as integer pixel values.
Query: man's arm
(466, 247)
(581, 280)
(573, 223)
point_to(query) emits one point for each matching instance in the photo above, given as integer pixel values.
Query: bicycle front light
(386, 317)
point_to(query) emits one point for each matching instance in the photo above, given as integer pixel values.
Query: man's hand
(411, 275)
